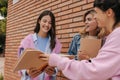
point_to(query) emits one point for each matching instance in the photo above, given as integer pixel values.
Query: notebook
(30, 58)
(90, 45)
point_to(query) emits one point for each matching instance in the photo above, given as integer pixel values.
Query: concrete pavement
(2, 60)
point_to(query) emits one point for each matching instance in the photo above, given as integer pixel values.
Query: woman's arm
(105, 65)
(74, 45)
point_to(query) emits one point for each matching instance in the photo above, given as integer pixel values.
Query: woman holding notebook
(90, 30)
(43, 39)
(107, 63)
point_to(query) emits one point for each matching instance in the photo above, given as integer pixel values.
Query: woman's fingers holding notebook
(44, 57)
(33, 72)
(50, 70)
(82, 55)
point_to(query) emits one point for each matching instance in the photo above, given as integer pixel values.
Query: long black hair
(107, 4)
(52, 31)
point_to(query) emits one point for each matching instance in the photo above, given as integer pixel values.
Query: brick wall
(22, 18)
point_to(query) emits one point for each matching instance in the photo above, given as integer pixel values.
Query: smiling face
(90, 23)
(45, 24)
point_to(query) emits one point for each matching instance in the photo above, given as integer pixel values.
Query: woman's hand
(33, 72)
(50, 70)
(82, 55)
(44, 57)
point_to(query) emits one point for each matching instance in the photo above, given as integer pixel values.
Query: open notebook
(29, 59)
(90, 45)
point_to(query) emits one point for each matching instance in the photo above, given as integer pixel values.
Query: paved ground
(2, 59)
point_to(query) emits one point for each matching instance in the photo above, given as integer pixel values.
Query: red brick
(64, 22)
(65, 45)
(66, 16)
(65, 31)
(78, 4)
(87, 6)
(58, 27)
(72, 34)
(58, 18)
(55, 3)
(76, 14)
(58, 36)
(64, 50)
(65, 26)
(65, 40)
(65, 3)
(57, 10)
(76, 0)
(65, 12)
(64, 0)
(64, 8)
(76, 9)
(54, 7)
(76, 29)
(77, 24)
(78, 19)
(65, 36)
(90, 1)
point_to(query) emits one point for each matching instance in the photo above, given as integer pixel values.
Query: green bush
(2, 35)
(1, 76)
